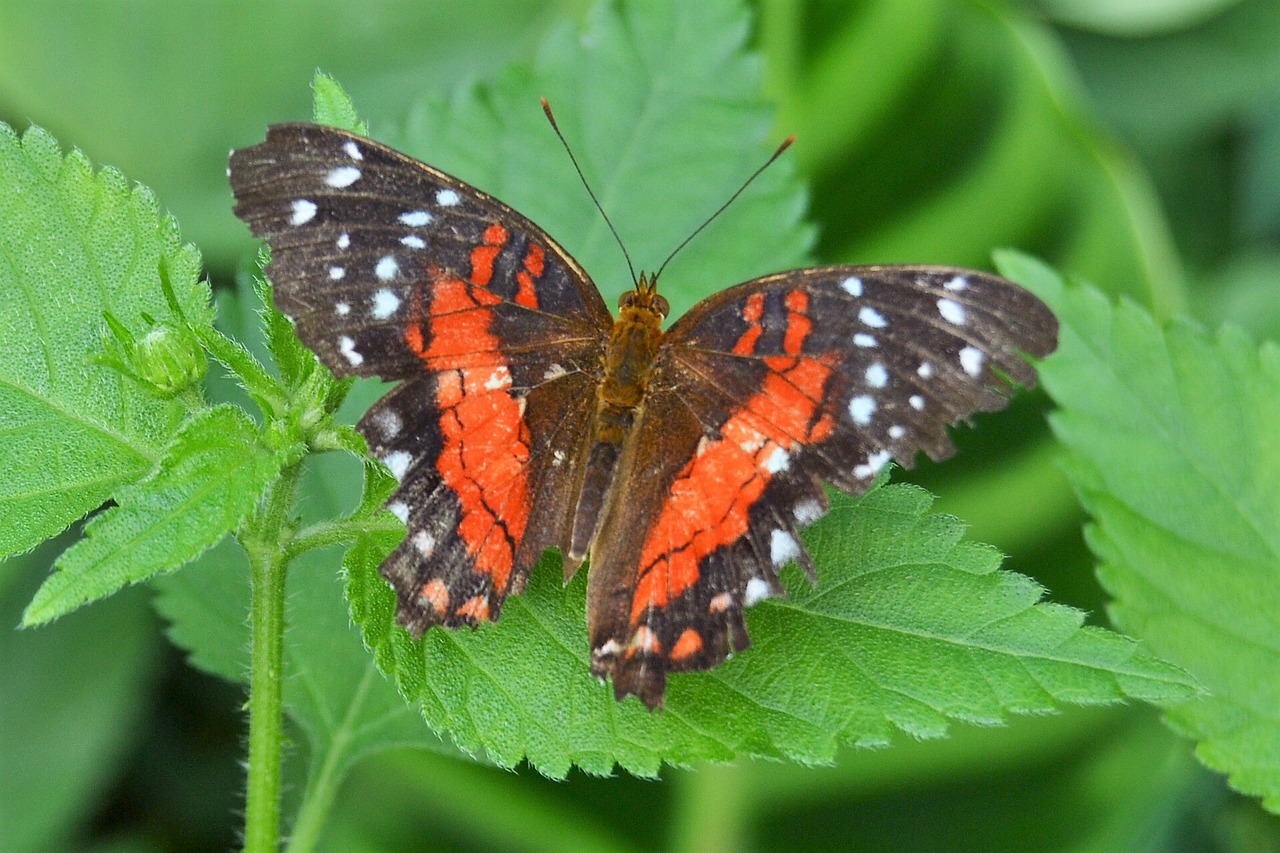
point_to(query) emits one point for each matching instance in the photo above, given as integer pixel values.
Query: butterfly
(683, 462)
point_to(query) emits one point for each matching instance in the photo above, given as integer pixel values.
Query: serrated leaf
(909, 629)
(1172, 438)
(74, 244)
(294, 361)
(208, 480)
(331, 105)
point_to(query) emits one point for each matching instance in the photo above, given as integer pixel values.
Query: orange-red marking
(483, 256)
(710, 499)
(485, 439)
(533, 266)
(477, 607)
(689, 644)
(752, 311)
(435, 593)
(798, 323)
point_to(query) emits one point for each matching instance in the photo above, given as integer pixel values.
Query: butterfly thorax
(633, 345)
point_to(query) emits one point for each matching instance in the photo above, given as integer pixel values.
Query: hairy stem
(264, 538)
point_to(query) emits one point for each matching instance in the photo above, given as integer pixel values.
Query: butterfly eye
(627, 299)
(661, 305)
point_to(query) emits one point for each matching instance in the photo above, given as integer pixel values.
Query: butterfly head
(645, 299)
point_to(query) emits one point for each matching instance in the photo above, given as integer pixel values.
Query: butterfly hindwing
(790, 380)
(391, 268)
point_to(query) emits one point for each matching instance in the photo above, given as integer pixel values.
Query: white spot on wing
(925, 370)
(447, 198)
(877, 376)
(876, 461)
(343, 309)
(386, 268)
(413, 241)
(389, 423)
(353, 150)
(344, 240)
(917, 402)
(336, 273)
(608, 650)
(897, 431)
(951, 311)
(415, 218)
(807, 512)
(303, 212)
(757, 590)
(720, 602)
(385, 303)
(554, 371)
(342, 176)
(852, 285)
(424, 542)
(971, 359)
(779, 460)
(499, 378)
(861, 408)
(871, 317)
(398, 463)
(957, 284)
(347, 346)
(400, 510)
(862, 339)
(783, 547)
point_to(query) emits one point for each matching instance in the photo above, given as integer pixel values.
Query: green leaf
(865, 655)
(1172, 438)
(209, 479)
(74, 244)
(909, 629)
(333, 106)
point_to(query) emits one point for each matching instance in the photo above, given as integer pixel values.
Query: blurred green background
(1135, 143)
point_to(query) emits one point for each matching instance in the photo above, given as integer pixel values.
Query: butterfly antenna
(786, 143)
(546, 108)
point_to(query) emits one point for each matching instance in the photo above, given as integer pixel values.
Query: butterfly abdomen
(628, 362)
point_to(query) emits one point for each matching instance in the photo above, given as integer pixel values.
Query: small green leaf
(208, 480)
(909, 629)
(294, 361)
(331, 105)
(73, 246)
(1172, 438)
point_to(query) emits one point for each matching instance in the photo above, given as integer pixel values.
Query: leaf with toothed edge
(909, 629)
(498, 692)
(1171, 436)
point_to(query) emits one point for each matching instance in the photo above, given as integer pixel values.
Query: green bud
(169, 359)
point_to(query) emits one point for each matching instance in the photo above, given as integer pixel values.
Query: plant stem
(263, 539)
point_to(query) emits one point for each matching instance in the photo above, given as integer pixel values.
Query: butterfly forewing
(391, 268)
(358, 231)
